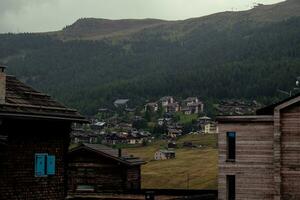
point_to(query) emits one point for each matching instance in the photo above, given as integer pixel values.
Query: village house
(166, 100)
(172, 107)
(95, 168)
(152, 107)
(259, 154)
(192, 105)
(34, 141)
(210, 128)
(174, 133)
(98, 126)
(83, 136)
(121, 103)
(164, 155)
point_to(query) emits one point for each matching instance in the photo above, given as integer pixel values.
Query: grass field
(193, 168)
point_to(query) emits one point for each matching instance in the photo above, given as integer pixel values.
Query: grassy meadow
(193, 168)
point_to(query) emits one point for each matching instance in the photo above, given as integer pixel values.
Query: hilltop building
(192, 105)
(34, 140)
(259, 154)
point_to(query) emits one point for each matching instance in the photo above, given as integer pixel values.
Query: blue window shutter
(40, 164)
(51, 165)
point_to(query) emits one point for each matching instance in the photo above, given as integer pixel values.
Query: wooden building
(96, 168)
(34, 139)
(259, 155)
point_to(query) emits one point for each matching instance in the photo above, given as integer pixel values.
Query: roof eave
(246, 118)
(76, 119)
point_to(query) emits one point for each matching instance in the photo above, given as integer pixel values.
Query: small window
(44, 165)
(230, 187)
(231, 139)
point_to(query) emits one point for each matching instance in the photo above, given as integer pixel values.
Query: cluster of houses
(259, 154)
(191, 105)
(131, 136)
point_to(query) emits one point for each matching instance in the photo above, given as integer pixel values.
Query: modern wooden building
(34, 140)
(95, 168)
(259, 155)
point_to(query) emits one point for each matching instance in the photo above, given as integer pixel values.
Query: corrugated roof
(23, 101)
(110, 153)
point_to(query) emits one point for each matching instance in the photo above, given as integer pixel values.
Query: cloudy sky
(49, 15)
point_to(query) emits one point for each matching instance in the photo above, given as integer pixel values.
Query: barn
(34, 140)
(95, 168)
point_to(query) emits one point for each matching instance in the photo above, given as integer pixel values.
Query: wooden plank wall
(108, 175)
(290, 149)
(253, 167)
(25, 138)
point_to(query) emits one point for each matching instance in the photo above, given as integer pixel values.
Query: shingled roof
(109, 153)
(24, 102)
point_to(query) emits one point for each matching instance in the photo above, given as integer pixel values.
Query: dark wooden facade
(267, 163)
(98, 169)
(32, 123)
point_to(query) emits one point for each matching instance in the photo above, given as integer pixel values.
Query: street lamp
(291, 91)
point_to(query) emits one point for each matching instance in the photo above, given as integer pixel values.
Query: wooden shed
(164, 155)
(259, 155)
(96, 168)
(34, 140)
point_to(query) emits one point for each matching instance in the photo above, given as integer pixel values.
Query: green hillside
(193, 168)
(247, 54)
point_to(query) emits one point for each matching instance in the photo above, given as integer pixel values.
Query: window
(230, 187)
(44, 165)
(231, 145)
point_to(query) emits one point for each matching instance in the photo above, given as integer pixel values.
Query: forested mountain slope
(248, 54)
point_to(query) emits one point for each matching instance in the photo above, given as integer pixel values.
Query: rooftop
(110, 153)
(23, 101)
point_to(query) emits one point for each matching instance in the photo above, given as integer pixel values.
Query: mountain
(96, 29)
(247, 54)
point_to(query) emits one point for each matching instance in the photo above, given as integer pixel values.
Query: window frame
(231, 146)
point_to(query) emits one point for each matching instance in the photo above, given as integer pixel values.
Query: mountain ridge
(225, 55)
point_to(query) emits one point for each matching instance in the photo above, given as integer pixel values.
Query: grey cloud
(49, 15)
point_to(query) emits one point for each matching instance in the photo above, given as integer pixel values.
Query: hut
(34, 140)
(164, 155)
(96, 168)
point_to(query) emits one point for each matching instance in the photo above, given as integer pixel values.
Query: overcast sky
(49, 15)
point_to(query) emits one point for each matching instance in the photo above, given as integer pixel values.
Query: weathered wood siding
(106, 175)
(25, 138)
(290, 152)
(133, 178)
(253, 167)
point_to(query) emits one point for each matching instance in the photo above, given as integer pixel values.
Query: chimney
(2, 84)
(120, 152)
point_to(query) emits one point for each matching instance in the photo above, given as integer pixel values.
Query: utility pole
(188, 181)
(290, 93)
